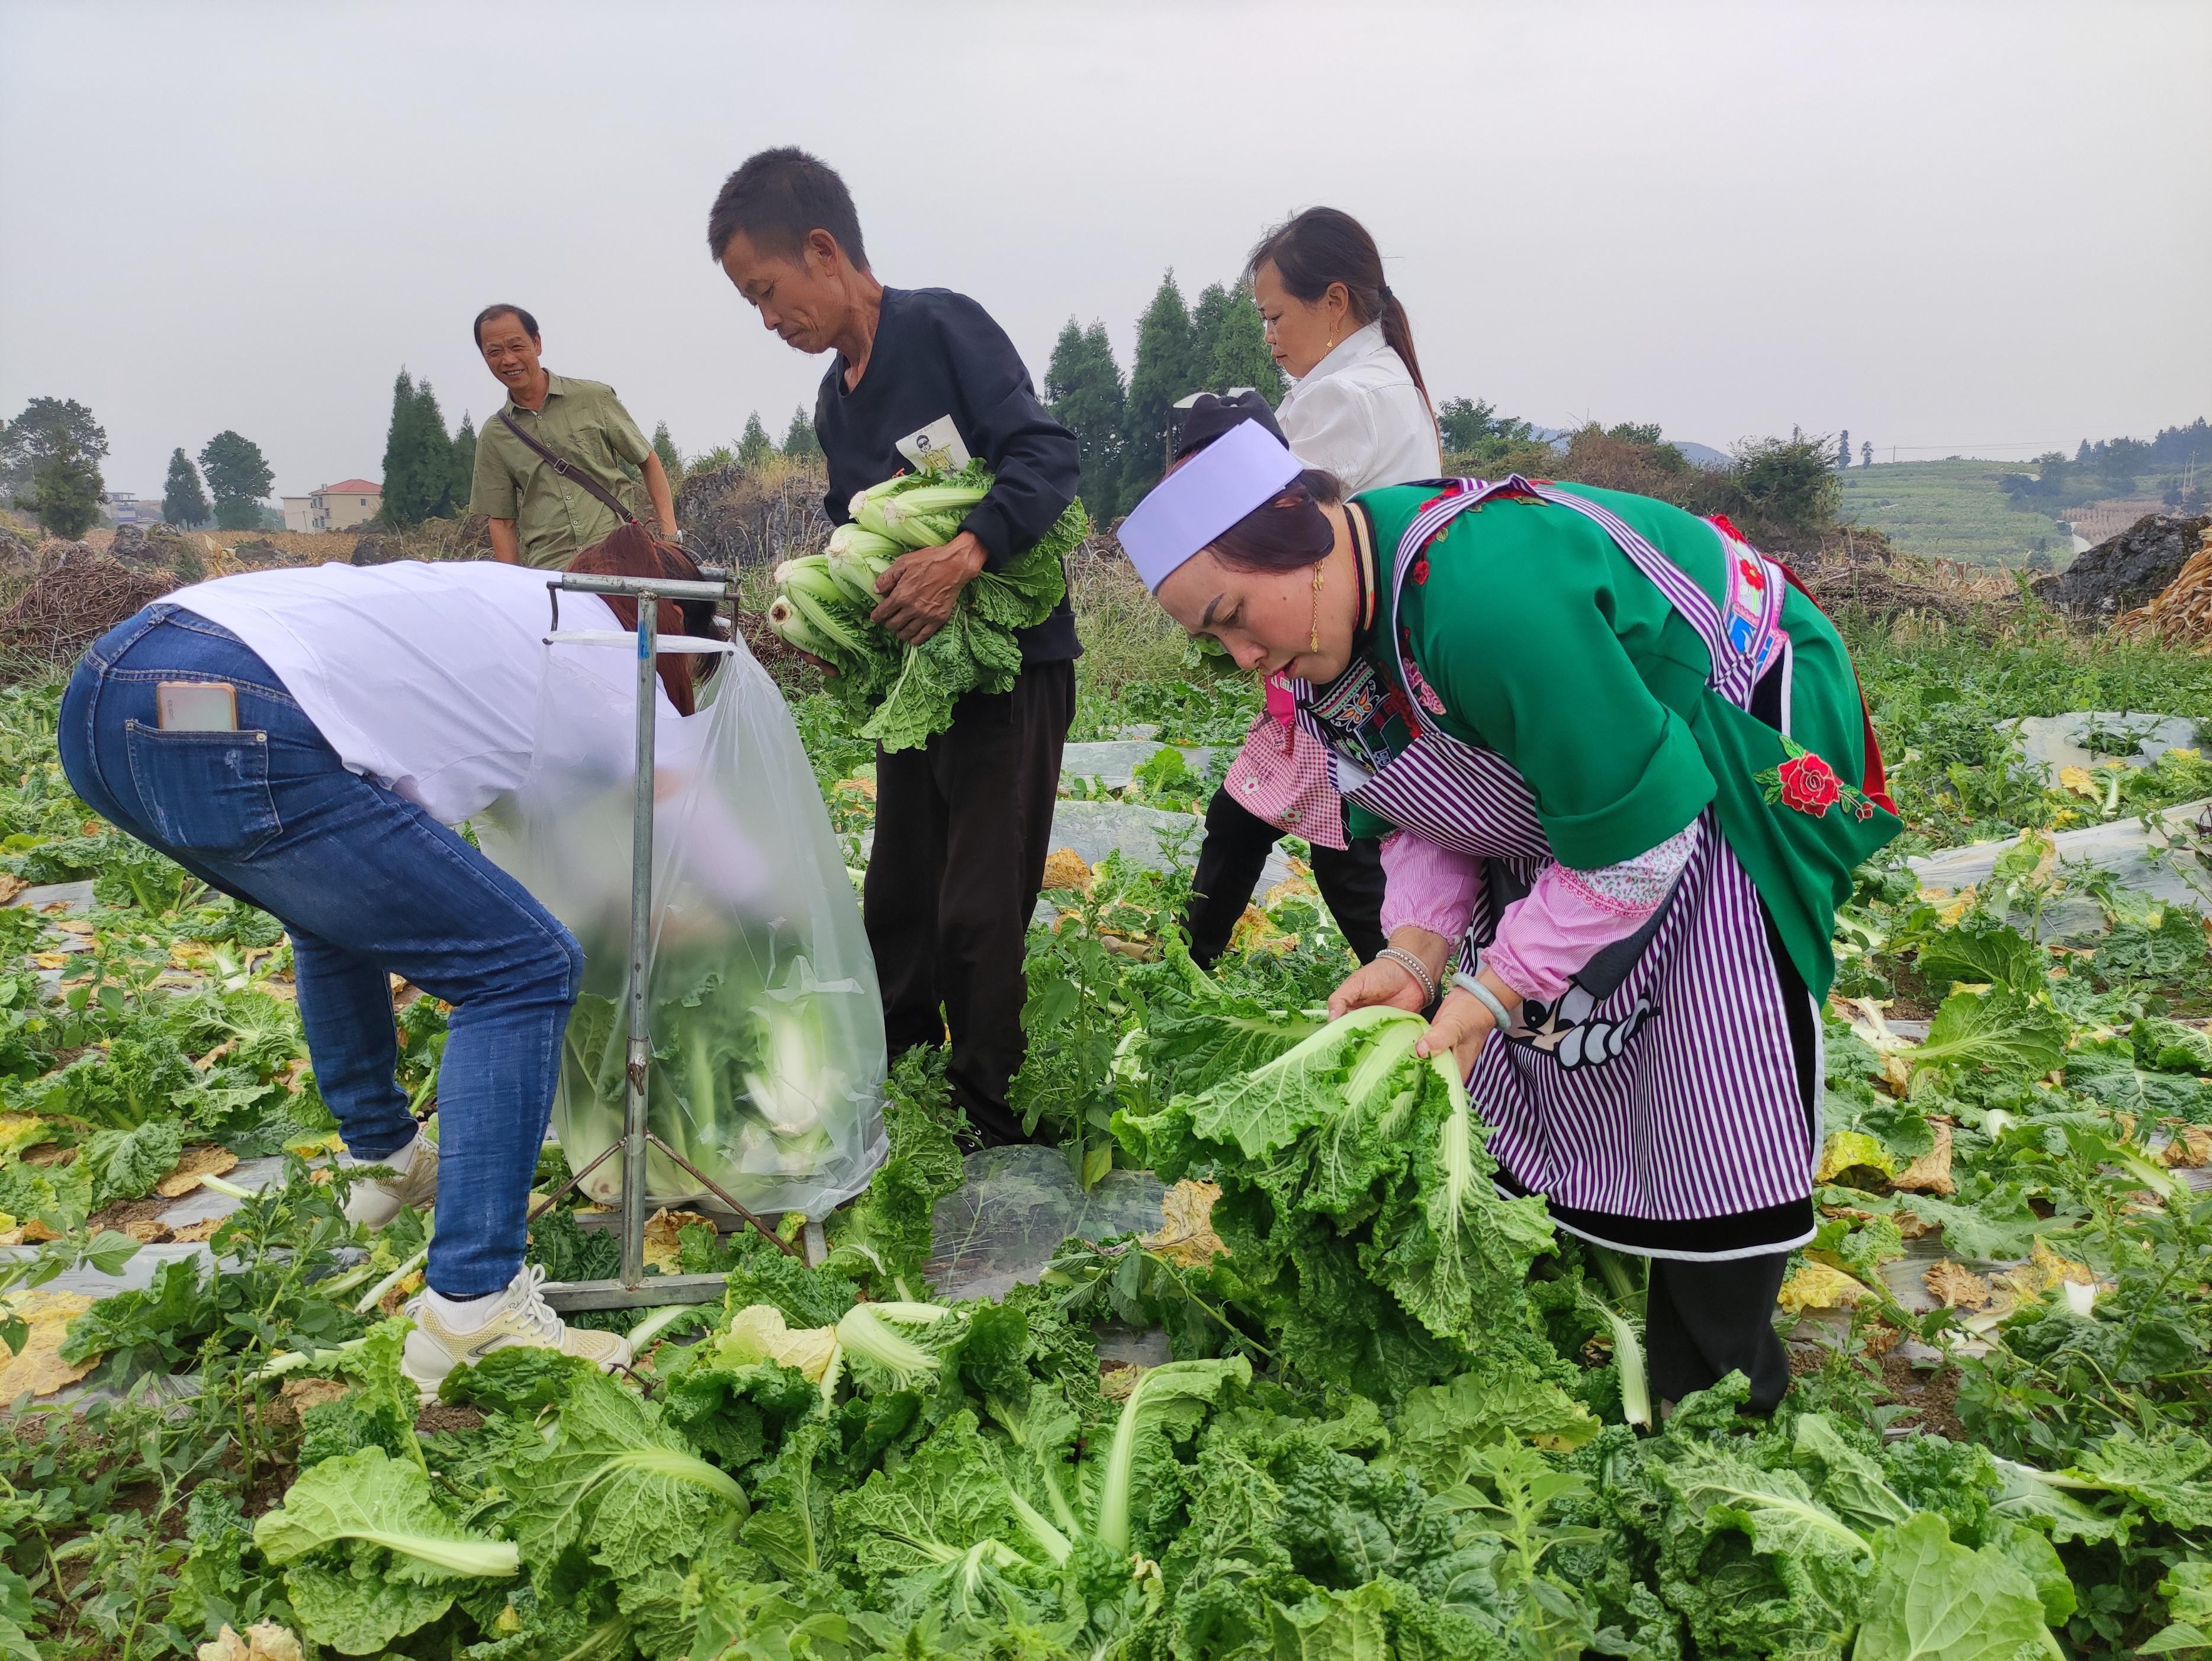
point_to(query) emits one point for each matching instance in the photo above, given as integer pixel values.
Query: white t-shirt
(424, 678)
(1357, 414)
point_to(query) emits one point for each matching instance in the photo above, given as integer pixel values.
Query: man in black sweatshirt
(962, 824)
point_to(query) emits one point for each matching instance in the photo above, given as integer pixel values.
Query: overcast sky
(1982, 228)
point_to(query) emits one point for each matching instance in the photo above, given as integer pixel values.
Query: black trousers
(1230, 861)
(961, 827)
(1703, 1321)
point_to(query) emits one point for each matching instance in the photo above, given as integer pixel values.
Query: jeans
(368, 885)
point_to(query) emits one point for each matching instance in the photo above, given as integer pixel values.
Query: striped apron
(1660, 1092)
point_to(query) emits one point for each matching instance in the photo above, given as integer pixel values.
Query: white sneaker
(519, 1315)
(377, 1203)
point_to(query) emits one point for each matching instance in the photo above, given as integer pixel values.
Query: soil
(1931, 1396)
(146, 1214)
(438, 1416)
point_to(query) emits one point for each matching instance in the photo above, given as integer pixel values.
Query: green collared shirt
(556, 518)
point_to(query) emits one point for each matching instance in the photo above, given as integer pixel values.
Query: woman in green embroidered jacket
(1625, 775)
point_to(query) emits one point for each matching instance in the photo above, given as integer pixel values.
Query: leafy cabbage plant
(1357, 1209)
(367, 1554)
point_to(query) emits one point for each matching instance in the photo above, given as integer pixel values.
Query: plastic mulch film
(1001, 1226)
(766, 1028)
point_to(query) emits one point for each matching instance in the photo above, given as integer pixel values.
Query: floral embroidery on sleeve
(1802, 780)
(1424, 694)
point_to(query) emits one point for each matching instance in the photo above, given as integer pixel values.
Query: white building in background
(338, 507)
(125, 509)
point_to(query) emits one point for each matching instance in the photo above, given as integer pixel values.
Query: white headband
(1241, 469)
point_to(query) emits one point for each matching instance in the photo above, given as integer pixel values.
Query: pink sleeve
(1571, 915)
(1426, 886)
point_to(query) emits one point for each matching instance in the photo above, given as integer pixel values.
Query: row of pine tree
(426, 472)
(1120, 424)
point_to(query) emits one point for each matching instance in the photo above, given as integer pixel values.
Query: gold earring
(1313, 640)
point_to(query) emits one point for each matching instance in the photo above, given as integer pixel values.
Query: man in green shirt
(538, 515)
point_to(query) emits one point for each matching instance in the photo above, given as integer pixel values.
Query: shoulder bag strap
(569, 469)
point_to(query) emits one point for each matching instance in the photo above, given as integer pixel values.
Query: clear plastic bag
(766, 1028)
(1000, 1227)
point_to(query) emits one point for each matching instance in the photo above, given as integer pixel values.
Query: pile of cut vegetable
(1402, 1417)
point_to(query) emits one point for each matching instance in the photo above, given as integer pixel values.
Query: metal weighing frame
(634, 1288)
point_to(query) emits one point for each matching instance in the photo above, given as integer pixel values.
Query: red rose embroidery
(1421, 571)
(1864, 810)
(1808, 784)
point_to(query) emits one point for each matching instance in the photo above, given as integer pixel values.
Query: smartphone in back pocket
(195, 706)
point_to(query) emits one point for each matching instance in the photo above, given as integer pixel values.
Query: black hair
(1212, 414)
(1322, 246)
(1287, 534)
(776, 199)
(502, 309)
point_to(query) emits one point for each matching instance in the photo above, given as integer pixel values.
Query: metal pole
(641, 924)
(634, 1289)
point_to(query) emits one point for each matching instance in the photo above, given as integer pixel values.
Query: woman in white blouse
(1358, 409)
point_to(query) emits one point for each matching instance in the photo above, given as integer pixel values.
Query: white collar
(1363, 342)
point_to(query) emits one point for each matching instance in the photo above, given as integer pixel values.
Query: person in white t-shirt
(1357, 410)
(302, 740)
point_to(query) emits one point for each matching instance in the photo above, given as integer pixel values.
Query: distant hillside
(1703, 455)
(1952, 510)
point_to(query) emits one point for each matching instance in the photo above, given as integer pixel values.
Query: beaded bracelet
(1413, 966)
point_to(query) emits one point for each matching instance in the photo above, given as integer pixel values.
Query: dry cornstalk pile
(1902, 586)
(756, 516)
(2181, 615)
(75, 597)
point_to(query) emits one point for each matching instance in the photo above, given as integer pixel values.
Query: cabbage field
(1386, 1413)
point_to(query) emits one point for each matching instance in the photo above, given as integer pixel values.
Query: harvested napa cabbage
(741, 1083)
(900, 695)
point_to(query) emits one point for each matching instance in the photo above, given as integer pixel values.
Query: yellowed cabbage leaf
(204, 1160)
(1853, 1150)
(1186, 1235)
(1931, 1172)
(759, 1333)
(1821, 1286)
(37, 1367)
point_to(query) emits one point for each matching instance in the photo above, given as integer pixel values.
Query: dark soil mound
(258, 554)
(2126, 571)
(150, 547)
